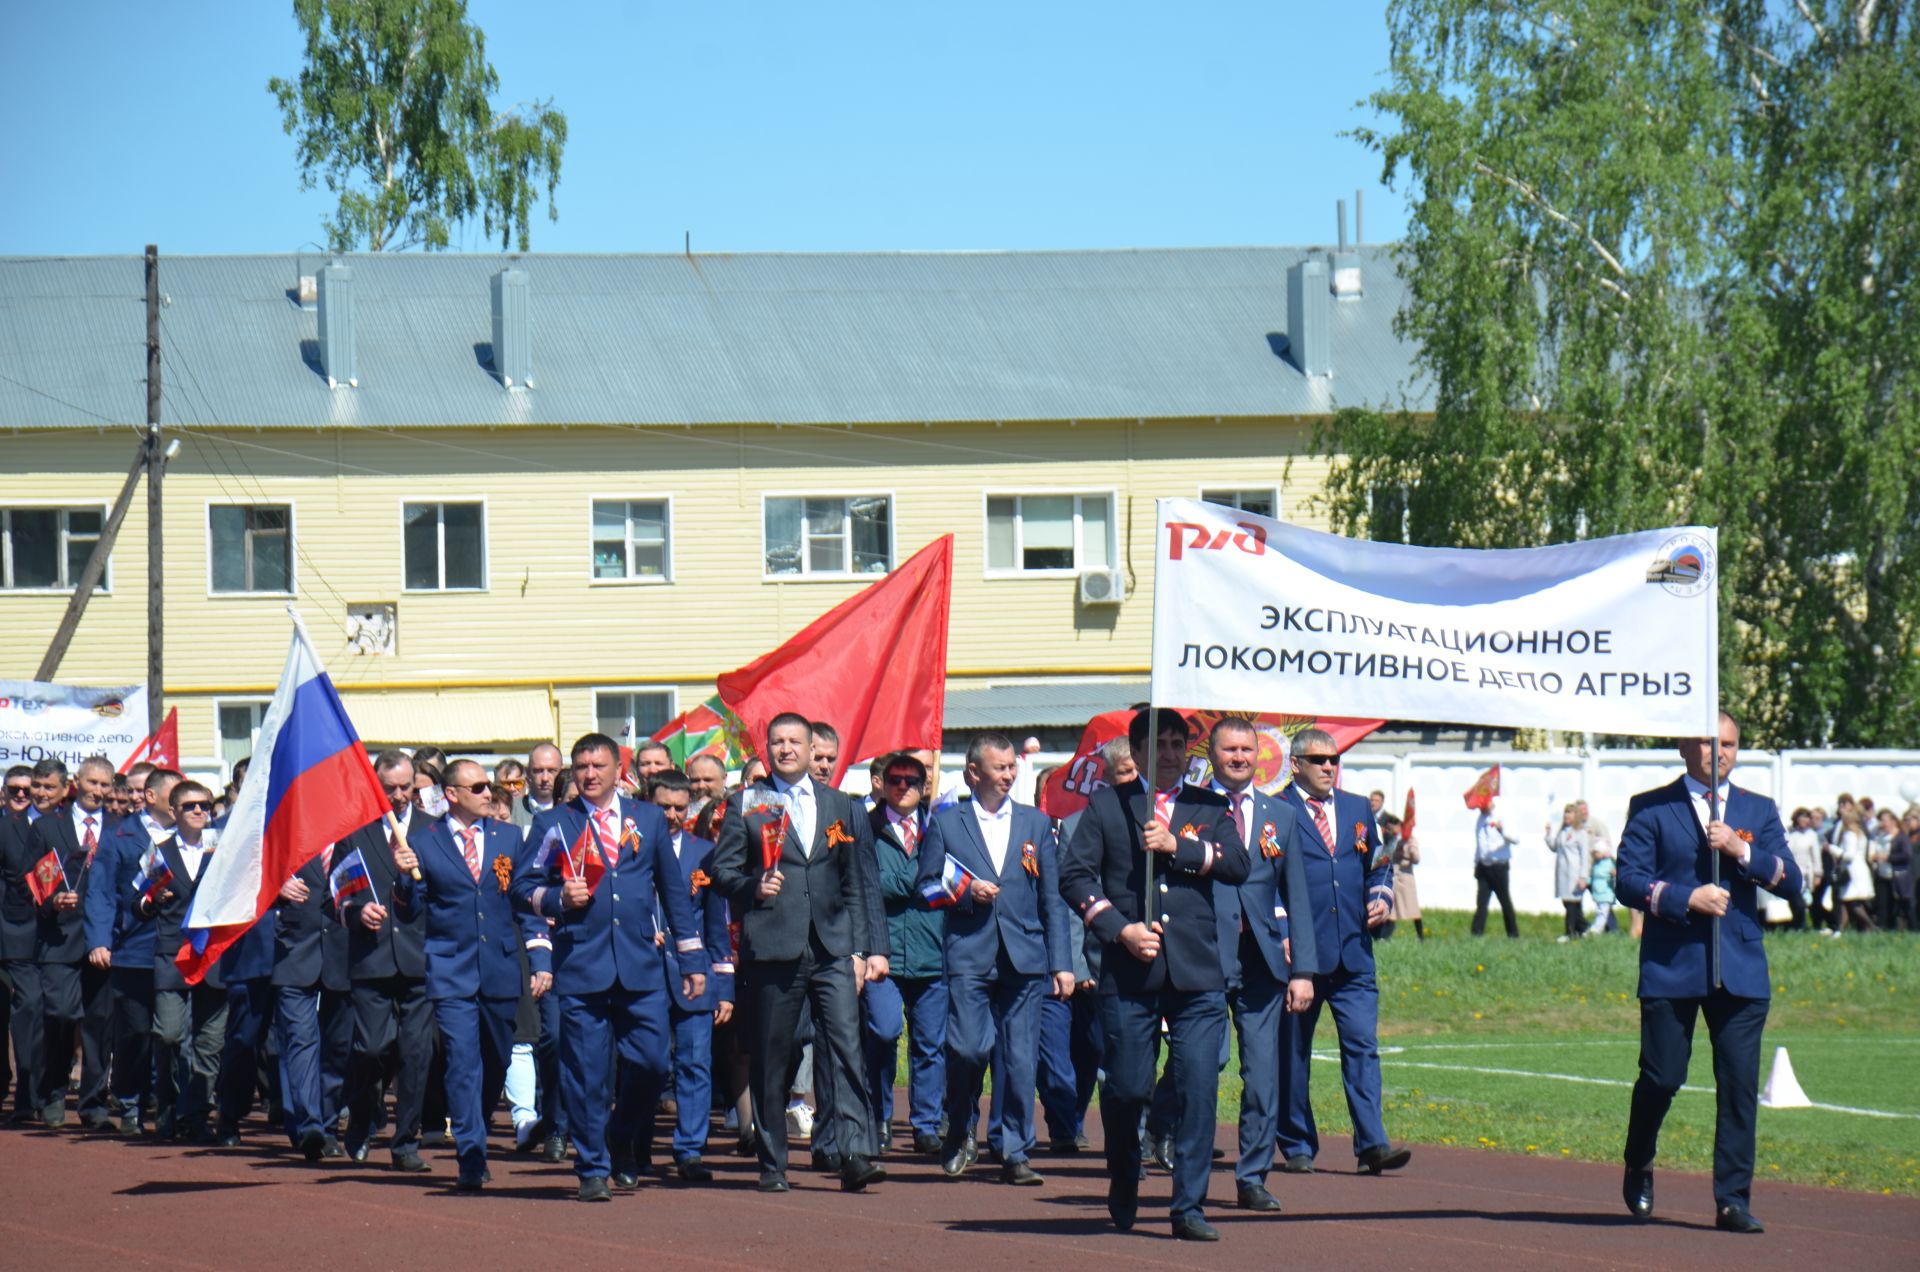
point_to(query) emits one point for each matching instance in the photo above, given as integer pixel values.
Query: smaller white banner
(41, 721)
(1610, 635)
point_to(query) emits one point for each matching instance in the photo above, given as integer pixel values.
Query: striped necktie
(470, 843)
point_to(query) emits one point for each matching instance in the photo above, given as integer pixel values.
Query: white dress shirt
(82, 819)
(996, 828)
(1703, 811)
(798, 797)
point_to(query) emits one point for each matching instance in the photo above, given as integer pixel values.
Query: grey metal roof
(704, 339)
(1057, 705)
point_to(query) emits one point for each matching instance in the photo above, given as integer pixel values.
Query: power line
(72, 406)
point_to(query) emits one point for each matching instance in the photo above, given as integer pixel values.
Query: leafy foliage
(392, 112)
(1661, 264)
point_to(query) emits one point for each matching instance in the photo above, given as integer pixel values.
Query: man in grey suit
(796, 860)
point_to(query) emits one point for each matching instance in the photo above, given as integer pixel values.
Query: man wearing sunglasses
(189, 1021)
(1349, 893)
(917, 968)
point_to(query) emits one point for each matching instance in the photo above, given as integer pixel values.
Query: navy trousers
(313, 1028)
(1666, 1047)
(132, 1038)
(477, 1037)
(882, 1020)
(1257, 1004)
(1354, 999)
(546, 1063)
(26, 1026)
(392, 1037)
(983, 1011)
(692, 1082)
(250, 1008)
(594, 1028)
(1196, 1028)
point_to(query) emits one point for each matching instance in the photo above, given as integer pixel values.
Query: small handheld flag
(155, 873)
(583, 860)
(48, 877)
(947, 890)
(350, 876)
(1484, 789)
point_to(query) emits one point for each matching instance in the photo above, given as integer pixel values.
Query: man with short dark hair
(916, 961)
(650, 758)
(77, 991)
(189, 1021)
(1664, 871)
(826, 751)
(19, 923)
(707, 780)
(312, 1007)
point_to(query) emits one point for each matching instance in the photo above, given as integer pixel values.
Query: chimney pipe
(512, 343)
(1346, 262)
(1307, 340)
(1357, 239)
(335, 305)
(1340, 215)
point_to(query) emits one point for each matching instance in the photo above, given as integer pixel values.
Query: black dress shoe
(1160, 1152)
(436, 1139)
(925, 1144)
(1736, 1219)
(1298, 1164)
(227, 1139)
(1385, 1158)
(130, 1126)
(555, 1149)
(97, 1122)
(626, 1176)
(746, 1146)
(358, 1152)
(312, 1144)
(330, 1148)
(860, 1172)
(594, 1189)
(1637, 1191)
(470, 1183)
(1123, 1201)
(828, 1163)
(1021, 1175)
(772, 1181)
(410, 1163)
(1256, 1197)
(694, 1171)
(960, 1159)
(53, 1116)
(1194, 1228)
(1067, 1146)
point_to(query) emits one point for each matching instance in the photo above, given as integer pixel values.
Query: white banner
(1610, 636)
(40, 721)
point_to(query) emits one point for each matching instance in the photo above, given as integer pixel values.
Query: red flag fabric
(47, 877)
(1406, 820)
(873, 666)
(583, 860)
(162, 748)
(1068, 787)
(1481, 794)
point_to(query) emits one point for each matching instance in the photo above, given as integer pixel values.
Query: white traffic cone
(1783, 1089)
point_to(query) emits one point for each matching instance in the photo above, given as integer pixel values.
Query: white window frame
(105, 585)
(486, 543)
(632, 580)
(1279, 505)
(293, 555)
(1111, 495)
(219, 741)
(846, 576)
(672, 693)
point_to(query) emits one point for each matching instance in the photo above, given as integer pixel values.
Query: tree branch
(1534, 197)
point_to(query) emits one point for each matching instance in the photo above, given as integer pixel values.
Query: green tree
(1661, 264)
(392, 112)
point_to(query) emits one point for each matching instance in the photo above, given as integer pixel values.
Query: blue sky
(830, 126)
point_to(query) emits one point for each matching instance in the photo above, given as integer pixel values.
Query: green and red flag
(708, 729)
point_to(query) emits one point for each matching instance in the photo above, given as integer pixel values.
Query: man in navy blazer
(1666, 867)
(77, 991)
(692, 1017)
(606, 967)
(1160, 957)
(313, 1007)
(1006, 944)
(1269, 963)
(473, 938)
(1349, 893)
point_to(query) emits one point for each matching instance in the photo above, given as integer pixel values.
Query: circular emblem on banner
(110, 709)
(1684, 565)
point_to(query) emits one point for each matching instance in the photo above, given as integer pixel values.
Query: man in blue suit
(1666, 866)
(1159, 959)
(692, 1018)
(1006, 945)
(1269, 962)
(606, 967)
(313, 1008)
(473, 938)
(1349, 893)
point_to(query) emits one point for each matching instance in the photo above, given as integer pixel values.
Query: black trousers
(132, 1037)
(776, 991)
(392, 1037)
(26, 1027)
(78, 1001)
(1492, 880)
(1734, 1026)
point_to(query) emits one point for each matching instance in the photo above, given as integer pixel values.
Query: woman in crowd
(1900, 855)
(1852, 875)
(1882, 827)
(1405, 850)
(1600, 885)
(1570, 845)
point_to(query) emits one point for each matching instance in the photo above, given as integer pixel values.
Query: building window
(251, 548)
(1043, 534)
(630, 539)
(1263, 501)
(829, 535)
(239, 726)
(46, 549)
(627, 714)
(446, 546)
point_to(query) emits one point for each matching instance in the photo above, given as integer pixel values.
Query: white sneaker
(1562, 939)
(523, 1131)
(799, 1122)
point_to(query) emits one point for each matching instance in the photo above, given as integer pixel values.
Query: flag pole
(1151, 780)
(1713, 815)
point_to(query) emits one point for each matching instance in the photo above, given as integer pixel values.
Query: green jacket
(916, 937)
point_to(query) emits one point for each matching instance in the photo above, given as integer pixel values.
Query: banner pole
(1713, 815)
(1151, 779)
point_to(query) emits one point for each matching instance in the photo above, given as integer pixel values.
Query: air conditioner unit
(1102, 587)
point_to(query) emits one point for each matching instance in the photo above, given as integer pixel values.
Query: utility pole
(156, 465)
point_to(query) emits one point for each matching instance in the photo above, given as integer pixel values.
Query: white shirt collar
(80, 816)
(1697, 789)
(1005, 813)
(802, 787)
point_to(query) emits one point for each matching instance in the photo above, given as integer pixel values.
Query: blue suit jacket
(1664, 857)
(473, 934)
(1276, 886)
(709, 925)
(111, 919)
(609, 942)
(1028, 919)
(1341, 882)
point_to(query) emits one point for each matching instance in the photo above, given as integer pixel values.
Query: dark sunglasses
(902, 779)
(1318, 759)
(195, 806)
(19, 792)
(478, 788)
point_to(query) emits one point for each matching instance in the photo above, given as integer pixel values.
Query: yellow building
(516, 499)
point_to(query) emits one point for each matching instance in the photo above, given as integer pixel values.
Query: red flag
(47, 877)
(1406, 821)
(1069, 786)
(873, 666)
(583, 860)
(162, 748)
(1481, 794)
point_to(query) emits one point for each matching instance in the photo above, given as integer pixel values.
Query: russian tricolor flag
(309, 785)
(952, 884)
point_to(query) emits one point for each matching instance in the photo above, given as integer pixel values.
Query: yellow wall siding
(539, 619)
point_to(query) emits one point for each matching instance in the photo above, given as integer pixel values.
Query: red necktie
(603, 831)
(1240, 817)
(470, 836)
(326, 860)
(1163, 807)
(91, 843)
(1320, 823)
(909, 836)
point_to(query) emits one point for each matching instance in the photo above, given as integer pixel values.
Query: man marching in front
(1666, 864)
(1160, 958)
